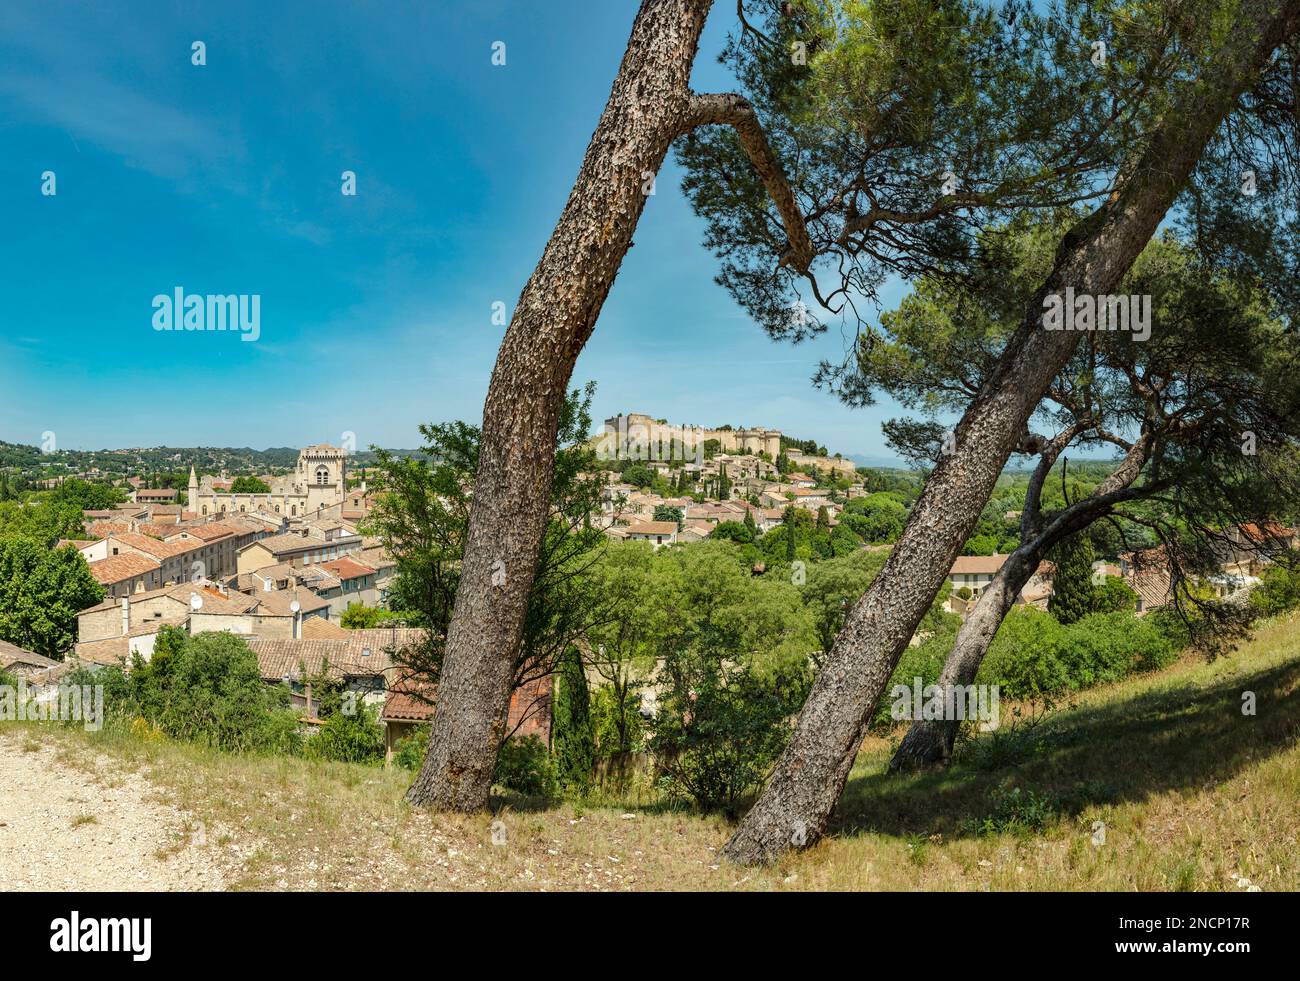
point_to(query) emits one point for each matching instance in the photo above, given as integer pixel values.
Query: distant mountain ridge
(165, 458)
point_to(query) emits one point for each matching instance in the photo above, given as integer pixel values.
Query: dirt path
(91, 826)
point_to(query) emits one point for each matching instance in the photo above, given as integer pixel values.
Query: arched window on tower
(322, 475)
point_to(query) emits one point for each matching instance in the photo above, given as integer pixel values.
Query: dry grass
(1190, 793)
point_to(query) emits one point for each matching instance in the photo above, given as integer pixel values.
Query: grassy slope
(1192, 794)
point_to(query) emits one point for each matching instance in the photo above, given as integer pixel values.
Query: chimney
(126, 615)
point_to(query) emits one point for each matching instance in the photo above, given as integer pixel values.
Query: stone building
(318, 481)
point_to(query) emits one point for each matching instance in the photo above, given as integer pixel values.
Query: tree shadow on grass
(1173, 738)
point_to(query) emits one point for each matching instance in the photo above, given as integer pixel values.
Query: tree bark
(796, 804)
(649, 105)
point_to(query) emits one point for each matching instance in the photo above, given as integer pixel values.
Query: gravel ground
(64, 829)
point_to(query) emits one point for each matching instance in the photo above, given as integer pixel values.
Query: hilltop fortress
(639, 430)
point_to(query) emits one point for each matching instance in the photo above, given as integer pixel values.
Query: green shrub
(205, 689)
(718, 734)
(925, 661)
(524, 765)
(619, 728)
(1024, 658)
(349, 736)
(1278, 592)
(1098, 648)
(409, 751)
(1114, 596)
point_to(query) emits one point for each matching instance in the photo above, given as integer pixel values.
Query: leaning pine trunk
(796, 804)
(649, 106)
(554, 317)
(930, 741)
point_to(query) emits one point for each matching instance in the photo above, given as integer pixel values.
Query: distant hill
(142, 460)
(878, 462)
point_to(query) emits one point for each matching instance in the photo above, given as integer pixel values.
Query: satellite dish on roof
(196, 602)
(295, 606)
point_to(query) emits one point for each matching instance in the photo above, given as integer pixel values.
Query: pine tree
(574, 737)
(788, 520)
(1073, 595)
(749, 522)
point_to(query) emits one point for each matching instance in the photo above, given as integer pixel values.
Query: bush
(718, 734)
(1034, 657)
(925, 661)
(619, 728)
(409, 751)
(349, 736)
(1024, 656)
(1098, 648)
(1114, 596)
(205, 689)
(1278, 592)
(524, 765)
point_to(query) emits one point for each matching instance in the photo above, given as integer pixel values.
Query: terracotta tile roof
(288, 542)
(181, 591)
(653, 528)
(11, 655)
(318, 628)
(153, 546)
(409, 700)
(77, 543)
(376, 557)
(346, 656)
(346, 568)
(277, 603)
(215, 603)
(119, 568)
(976, 565)
(110, 653)
(104, 529)
(1268, 532)
(1154, 586)
(211, 532)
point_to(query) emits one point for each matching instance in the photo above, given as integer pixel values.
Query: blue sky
(375, 309)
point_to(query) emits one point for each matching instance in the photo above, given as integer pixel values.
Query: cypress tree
(1073, 595)
(574, 738)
